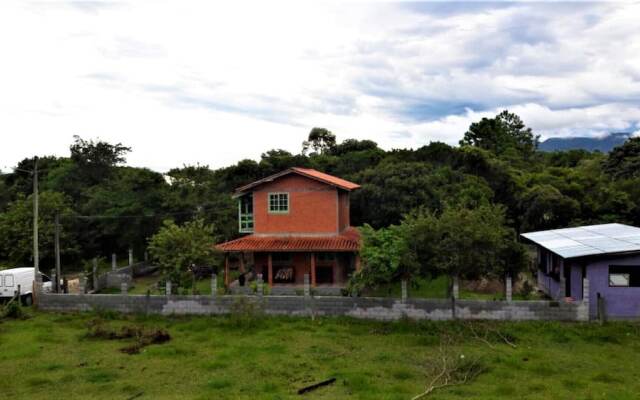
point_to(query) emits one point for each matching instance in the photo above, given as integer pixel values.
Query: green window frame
(278, 203)
(245, 214)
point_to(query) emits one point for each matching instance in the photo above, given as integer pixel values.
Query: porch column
(242, 263)
(270, 269)
(313, 269)
(357, 262)
(226, 269)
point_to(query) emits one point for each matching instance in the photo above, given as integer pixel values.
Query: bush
(245, 313)
(12, 310)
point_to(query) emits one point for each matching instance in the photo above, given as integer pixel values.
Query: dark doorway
(324, 275)
(567, 281)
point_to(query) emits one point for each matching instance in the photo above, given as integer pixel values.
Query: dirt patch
(142, 336)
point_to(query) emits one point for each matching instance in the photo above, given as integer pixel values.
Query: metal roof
(588, 240)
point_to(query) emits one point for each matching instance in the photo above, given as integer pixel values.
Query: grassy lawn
(49, 356)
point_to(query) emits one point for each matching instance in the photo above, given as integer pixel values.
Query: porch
(284, 271)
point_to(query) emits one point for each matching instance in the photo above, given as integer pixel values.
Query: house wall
(313, 207)
(576, 281)
(552, 287)
(620, 302)
(343, 210)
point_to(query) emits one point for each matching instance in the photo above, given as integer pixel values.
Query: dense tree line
(106, 206)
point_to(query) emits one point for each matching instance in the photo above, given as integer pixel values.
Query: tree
(459, 242)
(544, 207)
(470, 242)
(127, 202)
(321, 140)
(16, 230)
(386, 257)
(504, 132)
(177, 248)
(623, 161)
(274, 161)
(95, 160)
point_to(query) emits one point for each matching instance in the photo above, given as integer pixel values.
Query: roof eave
(242, 190)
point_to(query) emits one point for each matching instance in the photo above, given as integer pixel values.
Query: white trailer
(24, 277)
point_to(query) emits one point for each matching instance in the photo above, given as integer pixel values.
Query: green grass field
(49, 356)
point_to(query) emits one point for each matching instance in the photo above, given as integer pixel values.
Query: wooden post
(270, 269)
(242, 271)
(95, 274)
(214, 285)
(226, 270)
(56, 284)
(130, 257)
(358, 262)
(313, 269)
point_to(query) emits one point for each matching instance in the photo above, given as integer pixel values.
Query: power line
(74, 216)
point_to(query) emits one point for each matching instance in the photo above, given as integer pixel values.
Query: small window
(278, 202)
(624, 275)
(8, 280)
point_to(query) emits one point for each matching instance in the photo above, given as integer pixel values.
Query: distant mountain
(603, 144)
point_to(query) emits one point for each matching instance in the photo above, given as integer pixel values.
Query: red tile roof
(330, 179)
(349, 240)
(309, 173)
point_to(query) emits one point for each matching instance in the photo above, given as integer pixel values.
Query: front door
(324, 275)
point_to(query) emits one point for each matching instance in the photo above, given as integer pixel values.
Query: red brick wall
(313, 207)
(343, 209)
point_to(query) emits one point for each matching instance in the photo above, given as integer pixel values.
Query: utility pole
(57, 245)
(36, 255)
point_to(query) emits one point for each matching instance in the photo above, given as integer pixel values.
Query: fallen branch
(453, 371)
(316, 385)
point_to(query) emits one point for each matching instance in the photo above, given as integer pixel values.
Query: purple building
(607, 255)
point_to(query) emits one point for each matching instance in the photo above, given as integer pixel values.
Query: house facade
(296, 223)
(607, 255)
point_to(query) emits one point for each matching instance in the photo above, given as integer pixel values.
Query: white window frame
(288, 203)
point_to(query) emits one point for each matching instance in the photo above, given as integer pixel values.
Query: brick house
(297, 223)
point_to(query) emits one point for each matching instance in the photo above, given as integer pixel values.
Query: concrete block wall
(386, 309)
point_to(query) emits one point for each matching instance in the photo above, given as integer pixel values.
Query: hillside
(603, 144)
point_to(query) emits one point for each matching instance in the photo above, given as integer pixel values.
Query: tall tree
(504, 132)
(95, 159)
(321, 140)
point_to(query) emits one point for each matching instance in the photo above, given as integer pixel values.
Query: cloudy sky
(184, 82)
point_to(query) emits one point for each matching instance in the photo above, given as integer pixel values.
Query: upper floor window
(245, 213)
(278, 202)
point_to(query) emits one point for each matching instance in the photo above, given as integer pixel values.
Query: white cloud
(187, 82)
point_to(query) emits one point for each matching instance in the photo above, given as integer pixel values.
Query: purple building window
(624, 276)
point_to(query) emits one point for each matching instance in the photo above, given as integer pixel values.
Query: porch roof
(349, 240)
